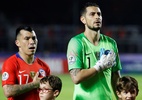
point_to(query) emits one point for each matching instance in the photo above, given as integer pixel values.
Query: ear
(82, 19)
(118, 94)
(56, 93)
(17, 43)
(137, 92)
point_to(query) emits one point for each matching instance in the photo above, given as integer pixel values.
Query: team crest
(42, 72)
(32, 74)
(97, 54)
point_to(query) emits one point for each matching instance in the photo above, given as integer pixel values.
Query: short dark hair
(27, 28)
(88, 4)
(54, 81)
(127, 83)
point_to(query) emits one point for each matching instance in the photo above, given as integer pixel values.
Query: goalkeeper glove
(106, 61)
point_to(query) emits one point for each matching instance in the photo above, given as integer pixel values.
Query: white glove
(106, 61)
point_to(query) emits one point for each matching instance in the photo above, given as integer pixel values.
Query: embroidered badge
(42, 72)
(71, 59)
(5, 76)
(32, 74)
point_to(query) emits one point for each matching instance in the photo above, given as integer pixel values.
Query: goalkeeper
(93, 59)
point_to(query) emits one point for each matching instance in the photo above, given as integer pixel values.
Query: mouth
(31, 48)
(98, 22)
(41, 95)
(128, 99)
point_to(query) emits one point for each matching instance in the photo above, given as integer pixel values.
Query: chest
(91, 53)
(25, 73)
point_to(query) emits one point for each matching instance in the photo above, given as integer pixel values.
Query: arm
(105, 62)
(79, 75)
(115, 76)
(14, 90)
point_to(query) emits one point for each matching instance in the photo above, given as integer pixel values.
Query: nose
(129, 94)
(32, 41)
(97, 16)
(41, 92)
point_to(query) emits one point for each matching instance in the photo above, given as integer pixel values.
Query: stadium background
(55, 22)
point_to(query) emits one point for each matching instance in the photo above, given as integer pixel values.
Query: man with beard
(93, 59)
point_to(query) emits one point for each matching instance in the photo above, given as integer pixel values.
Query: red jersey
(17, 71)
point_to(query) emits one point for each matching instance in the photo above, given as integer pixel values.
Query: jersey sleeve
(47, 68)
(8, 72)
(74, 54)
(118, 63)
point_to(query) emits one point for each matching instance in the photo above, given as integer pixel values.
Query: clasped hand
(106, 61)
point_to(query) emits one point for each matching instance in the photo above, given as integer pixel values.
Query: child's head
(127, 88)
(50, 87)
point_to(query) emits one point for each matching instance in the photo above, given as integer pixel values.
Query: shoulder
(11, 62)
(41, 62)
(77, 38)
(12, 58)
(43, 65)
(105, 37)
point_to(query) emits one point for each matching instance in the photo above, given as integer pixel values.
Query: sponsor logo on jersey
(21, 71)
(86, 54)
(5, 76)
(42, 72)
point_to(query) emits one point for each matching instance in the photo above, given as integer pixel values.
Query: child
(127, 88)
(50, 87)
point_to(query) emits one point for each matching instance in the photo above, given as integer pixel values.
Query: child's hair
(54, 81)
(127, 83)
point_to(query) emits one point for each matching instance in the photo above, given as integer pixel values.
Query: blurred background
(56, 21)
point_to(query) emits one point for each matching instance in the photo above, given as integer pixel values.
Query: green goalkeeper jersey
(82, 54)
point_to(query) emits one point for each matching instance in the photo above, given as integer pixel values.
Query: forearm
(15, 90)
(79, 75)
(114, 89)
(115, 77)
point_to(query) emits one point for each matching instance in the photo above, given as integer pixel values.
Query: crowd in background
(54, 39)
(55, 27)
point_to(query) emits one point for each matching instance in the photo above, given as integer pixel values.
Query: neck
(93, 36)
(29, 59)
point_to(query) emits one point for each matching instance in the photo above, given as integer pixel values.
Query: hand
(36, 80)
(106, 61)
